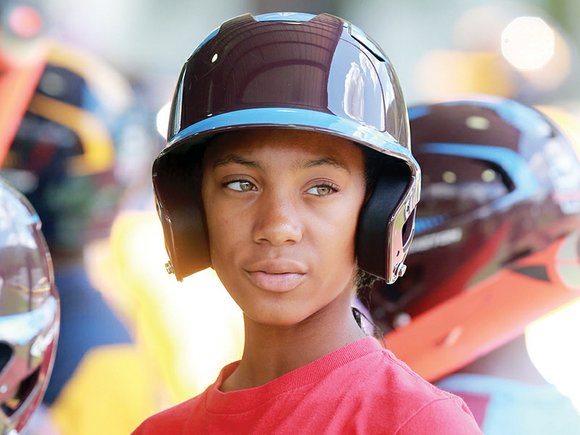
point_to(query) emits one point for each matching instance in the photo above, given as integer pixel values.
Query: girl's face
(282, 208)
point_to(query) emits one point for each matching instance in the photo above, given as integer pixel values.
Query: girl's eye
(322, 190)
(240, 185)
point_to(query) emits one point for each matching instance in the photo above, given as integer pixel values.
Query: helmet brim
(292, 118)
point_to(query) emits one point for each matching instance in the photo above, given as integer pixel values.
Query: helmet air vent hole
(408, 229)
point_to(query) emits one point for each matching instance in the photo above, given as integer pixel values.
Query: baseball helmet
(497, 231)
(300, 71)
(64, 154)
(29, 311)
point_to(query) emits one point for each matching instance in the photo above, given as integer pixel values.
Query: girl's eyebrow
(235, 158)
(326, 161)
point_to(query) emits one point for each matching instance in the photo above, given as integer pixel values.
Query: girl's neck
(271, 351)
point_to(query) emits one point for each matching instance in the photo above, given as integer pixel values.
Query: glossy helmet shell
(64, 156)
(29, 311)
(289, 70)
(500, 183)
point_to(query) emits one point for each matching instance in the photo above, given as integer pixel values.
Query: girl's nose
(278, 221)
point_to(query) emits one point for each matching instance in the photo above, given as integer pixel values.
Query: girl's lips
(276, 282)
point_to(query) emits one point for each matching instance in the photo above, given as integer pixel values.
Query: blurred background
(525, 50)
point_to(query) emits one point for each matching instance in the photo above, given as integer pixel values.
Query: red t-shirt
(360, 388)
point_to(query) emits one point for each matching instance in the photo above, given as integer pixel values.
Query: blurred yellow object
(95, 401)
(447, 73)
(189, 330)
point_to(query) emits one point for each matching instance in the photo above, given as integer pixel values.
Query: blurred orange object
(16, 88)
(457, 332)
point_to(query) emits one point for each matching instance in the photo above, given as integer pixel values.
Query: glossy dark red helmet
(290, 70)
(500, 183)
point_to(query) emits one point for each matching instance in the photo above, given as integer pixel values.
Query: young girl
(289, 171)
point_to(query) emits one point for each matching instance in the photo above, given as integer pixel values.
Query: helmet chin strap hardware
(400, 270)
(408, 210)
(169, 268)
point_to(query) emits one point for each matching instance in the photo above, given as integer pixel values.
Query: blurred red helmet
(501, 190)
(29, 311)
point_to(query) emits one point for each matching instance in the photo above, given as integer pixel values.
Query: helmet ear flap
(376, 250)
(177, 185)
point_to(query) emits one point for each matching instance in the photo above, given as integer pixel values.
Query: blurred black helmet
(64, 156)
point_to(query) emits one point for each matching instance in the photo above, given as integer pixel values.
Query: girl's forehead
(293, 144)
